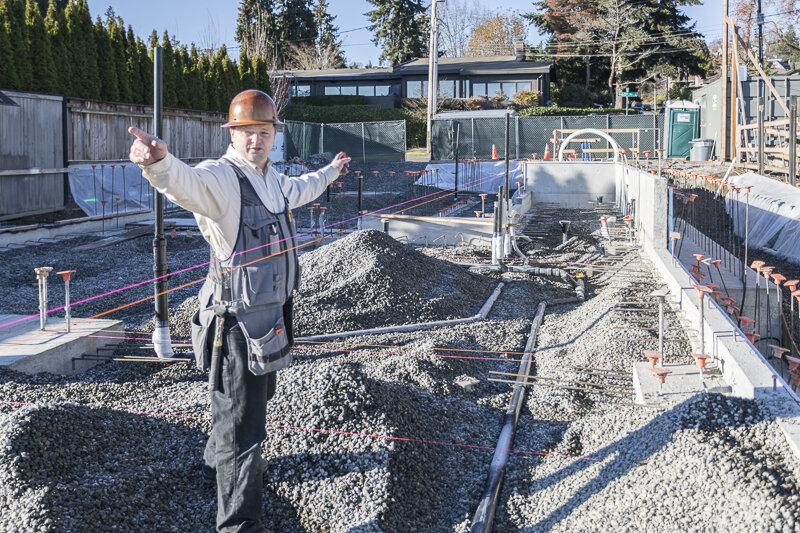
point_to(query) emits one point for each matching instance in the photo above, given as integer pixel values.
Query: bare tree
(209, 37)
(617, 33)
(457, 18)
(313, 57)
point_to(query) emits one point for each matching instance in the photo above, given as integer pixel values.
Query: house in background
(459, 77)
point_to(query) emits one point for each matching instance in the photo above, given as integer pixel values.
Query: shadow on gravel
(577, 335)
(625, 454)
(74, 468)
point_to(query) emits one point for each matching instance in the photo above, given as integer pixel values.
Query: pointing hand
(146, 149)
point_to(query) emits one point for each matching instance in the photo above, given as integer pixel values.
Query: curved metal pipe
(484, 515)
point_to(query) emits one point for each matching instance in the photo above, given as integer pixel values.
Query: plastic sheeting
(121, 187)
(774, 215)
(484, 176)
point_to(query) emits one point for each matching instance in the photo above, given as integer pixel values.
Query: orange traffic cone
(547, 151)
(494, 152)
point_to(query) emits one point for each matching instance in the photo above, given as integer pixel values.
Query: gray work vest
(254, 284)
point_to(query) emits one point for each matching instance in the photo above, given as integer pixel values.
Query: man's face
(254, 142)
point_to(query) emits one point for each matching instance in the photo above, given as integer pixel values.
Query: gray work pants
(238, 417)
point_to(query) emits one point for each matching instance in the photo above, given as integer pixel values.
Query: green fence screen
(528, 135)
(362, 141)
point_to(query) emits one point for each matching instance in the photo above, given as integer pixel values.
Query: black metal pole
(360, 195)
(159, 242)
(458, 132)
(508, 121)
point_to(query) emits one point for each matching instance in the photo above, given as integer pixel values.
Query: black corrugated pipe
(484, 515)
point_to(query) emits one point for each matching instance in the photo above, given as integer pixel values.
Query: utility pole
(433, 70)
(723, 144)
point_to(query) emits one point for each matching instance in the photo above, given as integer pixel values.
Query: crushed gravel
(367, 434)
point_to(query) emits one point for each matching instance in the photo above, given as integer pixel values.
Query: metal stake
(41, 276)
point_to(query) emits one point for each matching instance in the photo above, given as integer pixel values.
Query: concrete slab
(24, 348)
(443, 231)
(682, 383)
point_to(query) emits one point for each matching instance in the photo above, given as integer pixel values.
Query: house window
(447, 89)
(366, 90)
(479, 89)
(381, 90)
(349, 90)
(417, 89)
(523, 86)
(509, 88)
(332, 90)
(492, 89)
(300, 90)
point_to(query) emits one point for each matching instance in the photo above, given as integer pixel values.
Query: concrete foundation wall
(570, 184)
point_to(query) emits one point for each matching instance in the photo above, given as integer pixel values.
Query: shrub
(528, 97)
(573, 95)
(539, 111)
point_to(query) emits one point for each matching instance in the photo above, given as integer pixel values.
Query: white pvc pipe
(594, 132)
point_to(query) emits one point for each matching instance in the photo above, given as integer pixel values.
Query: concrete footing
(24, 348)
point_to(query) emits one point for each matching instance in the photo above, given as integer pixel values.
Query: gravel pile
(369, 279)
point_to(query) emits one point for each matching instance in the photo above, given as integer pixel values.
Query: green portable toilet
(683, 125)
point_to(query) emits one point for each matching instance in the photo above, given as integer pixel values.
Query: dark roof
(447, 65)
(476, 65)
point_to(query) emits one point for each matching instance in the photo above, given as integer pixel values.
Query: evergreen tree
(329, 46)
(180, 61)
(399, 27)
(206, 69)
(15, 26)
(145, 72)
(119, 45)
(255, 27)
(169, 76)
(44, 74)
(109, 88)
(8, 74)
(246, 73)
(196, 80)
(82, 50)
(295, 24)
(228, 77)
(56, 25)
(261, 75)
(44, 5)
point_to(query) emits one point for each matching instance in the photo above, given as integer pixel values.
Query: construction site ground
(393, 432)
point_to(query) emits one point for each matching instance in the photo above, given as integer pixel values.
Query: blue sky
(194, 20)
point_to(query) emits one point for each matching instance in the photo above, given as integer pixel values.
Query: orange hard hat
(252, 107)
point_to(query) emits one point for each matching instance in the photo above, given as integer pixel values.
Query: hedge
(540, 111)
(331, 99)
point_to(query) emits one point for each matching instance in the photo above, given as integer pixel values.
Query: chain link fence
(362, 141)
(529, 135)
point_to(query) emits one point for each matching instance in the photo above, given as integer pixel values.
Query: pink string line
(351, 434)
(91, 298)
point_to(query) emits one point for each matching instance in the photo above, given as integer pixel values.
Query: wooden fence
(31, 154)
(98, 131)
(41, 135)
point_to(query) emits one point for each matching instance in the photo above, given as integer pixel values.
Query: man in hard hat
(243, 331)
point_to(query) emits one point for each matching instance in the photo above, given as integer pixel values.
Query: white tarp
(774, 215)
(484, 176)
(90, 188)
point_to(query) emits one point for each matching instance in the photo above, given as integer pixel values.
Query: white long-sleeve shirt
(211, 191)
